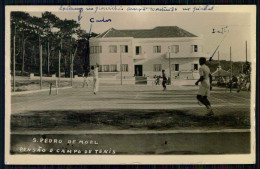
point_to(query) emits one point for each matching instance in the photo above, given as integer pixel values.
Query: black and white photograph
(130, 84)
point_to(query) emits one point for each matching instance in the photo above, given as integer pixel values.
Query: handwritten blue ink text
(143, 9)
(109, 8)
(69, 8)
(92, 20)
(203, 8)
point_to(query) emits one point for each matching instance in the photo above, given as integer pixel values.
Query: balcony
(173, 55)
(182, 55)
(140, 56)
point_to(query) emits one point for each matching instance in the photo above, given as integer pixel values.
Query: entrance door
(138, 70)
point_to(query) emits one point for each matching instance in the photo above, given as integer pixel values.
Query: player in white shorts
(205, 85)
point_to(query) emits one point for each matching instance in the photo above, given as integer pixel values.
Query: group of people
(205, 81)
(243, 82)
(240, 81)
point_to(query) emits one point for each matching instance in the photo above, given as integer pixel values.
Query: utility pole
(59, 70)
(218, 60)
(14, 61)
(230, 72)
(40, 66)
(71, 69)
(121, 48)
(170, 71)
(40, 56)
(48, 59)
(246, 51)
(59, 61)
(218, 68)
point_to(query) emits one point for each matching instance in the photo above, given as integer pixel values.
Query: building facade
(147, 53)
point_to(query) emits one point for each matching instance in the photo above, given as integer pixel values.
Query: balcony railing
(140, 56)
(181, 55)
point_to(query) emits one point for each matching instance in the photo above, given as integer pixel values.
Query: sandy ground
(131, 120)
(129, 107)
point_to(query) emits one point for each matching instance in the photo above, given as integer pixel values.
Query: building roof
(157, 32)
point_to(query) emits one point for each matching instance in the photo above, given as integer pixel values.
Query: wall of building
(107, 58)
(185, 65)
(185, 58)
(185, 47)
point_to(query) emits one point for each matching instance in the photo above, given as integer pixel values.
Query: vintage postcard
(130, 84)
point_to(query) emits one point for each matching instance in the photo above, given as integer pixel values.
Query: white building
(146, 52)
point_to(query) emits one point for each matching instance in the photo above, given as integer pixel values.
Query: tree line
(29, 33)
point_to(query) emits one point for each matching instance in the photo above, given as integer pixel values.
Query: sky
(237, 26)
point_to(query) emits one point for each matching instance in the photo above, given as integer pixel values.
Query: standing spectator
(164, 80)
(95, 78)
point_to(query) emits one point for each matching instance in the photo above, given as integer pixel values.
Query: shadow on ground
(127, 119)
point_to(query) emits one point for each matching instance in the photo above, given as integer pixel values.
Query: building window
(100, 68)
(124, 67)
(124, 48)
(157, 67)
(176, 67)
(157, 49)
(106, 68)
(91, 49)
(98, 49)
(113, 68)
(196, 67)
(95, 49)
(194, 48)
(175, 49)
(112, 49)
(138, 50)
